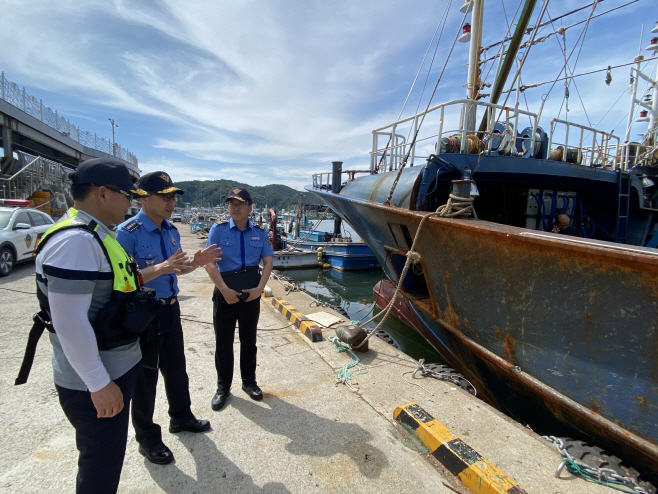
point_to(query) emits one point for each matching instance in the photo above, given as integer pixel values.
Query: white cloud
(275, 90)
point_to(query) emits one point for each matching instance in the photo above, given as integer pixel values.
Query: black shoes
(159, 454)
(192, 425)
(253, 391)
(219, 400)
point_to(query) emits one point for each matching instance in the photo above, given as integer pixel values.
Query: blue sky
(273, 91)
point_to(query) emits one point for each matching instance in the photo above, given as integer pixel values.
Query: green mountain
(213, 193)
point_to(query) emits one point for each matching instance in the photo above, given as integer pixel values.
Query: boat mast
(473, 84)
(510, 56)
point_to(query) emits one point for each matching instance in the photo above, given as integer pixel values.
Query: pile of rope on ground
(345, 374)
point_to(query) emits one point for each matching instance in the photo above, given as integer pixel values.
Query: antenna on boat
(473, 84)
(649, 104)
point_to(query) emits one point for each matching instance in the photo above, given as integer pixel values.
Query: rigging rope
(513, 83)
(413, 141)
(317, 223)
(544, 38)
(413, 84)
(414, 257)
(582, 34)
(532, 86)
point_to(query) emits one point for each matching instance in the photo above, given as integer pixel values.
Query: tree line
(214, 192)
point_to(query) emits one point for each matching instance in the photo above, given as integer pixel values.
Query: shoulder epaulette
(131, 226)
(173, 227)
(221, 222)
(262, 227)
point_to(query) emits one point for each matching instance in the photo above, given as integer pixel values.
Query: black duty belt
(41, 322)
(248, 269)
(242, 279)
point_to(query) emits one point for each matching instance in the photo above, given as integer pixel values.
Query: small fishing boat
(294, 258)
(340, 252)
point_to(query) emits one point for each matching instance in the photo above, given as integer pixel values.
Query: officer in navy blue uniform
(155, 245)
(236, 298)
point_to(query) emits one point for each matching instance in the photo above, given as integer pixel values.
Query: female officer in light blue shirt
(236, 297)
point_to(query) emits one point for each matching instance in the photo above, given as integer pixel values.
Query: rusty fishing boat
(560, 332)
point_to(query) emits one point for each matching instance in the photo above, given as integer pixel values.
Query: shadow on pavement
(211, 464)
(312, 435)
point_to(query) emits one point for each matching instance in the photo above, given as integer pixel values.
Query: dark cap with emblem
(102, 171)
(241, 195)
(158, 183)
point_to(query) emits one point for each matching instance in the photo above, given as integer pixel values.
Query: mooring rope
(449, 210)
(344, 375)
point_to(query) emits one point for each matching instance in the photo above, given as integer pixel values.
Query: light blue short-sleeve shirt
(240, 249)
(150, 245)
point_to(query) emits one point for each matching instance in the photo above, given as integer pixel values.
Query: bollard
(352, 335)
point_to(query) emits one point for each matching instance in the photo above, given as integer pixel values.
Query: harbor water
(353, 292)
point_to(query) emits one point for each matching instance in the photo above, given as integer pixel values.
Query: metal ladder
(623, 204)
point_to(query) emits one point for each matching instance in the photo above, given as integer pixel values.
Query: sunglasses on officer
(129, 195)
(167, 197)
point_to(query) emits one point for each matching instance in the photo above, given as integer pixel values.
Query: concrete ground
(307, 435)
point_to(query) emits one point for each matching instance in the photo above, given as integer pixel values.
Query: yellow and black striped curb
(311, 330)
(476, 473)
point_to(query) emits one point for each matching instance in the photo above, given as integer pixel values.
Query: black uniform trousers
(174, 373)
(224, 317)
(101, 442)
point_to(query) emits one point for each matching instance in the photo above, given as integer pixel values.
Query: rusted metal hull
(560, 333)
(402, 309)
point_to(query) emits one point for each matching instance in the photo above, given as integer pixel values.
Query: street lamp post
(114, 126)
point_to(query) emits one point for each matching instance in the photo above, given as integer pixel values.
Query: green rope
(573, 468)
(344, 375)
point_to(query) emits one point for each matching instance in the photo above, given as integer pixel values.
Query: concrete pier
(307, 435)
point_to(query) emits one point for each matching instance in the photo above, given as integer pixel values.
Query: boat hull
(294, 260)
(558, 332)
(344, 256)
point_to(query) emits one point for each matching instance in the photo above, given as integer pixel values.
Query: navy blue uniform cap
(241, 195)
(158, 183)
(103, 171)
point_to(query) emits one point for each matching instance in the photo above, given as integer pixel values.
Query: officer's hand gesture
(108, 400)
(173, 264)
(207, 255)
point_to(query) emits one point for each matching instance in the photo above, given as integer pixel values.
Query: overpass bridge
(31, 129)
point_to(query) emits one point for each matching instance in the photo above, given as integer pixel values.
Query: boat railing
(388, 155)
(322, 181)
(604, 150)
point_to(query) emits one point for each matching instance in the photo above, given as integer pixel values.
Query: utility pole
(114, 126)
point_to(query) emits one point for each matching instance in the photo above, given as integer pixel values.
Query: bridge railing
(16, 96)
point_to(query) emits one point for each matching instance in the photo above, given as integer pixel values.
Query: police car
(20, 229)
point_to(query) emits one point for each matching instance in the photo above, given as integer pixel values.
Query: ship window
(414, 283)
(407, 236)
(401, 236)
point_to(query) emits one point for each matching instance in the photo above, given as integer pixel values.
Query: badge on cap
(236, 191)
(165, 177)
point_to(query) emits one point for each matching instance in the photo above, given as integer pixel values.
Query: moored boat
(558, 331)
(295, 259)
